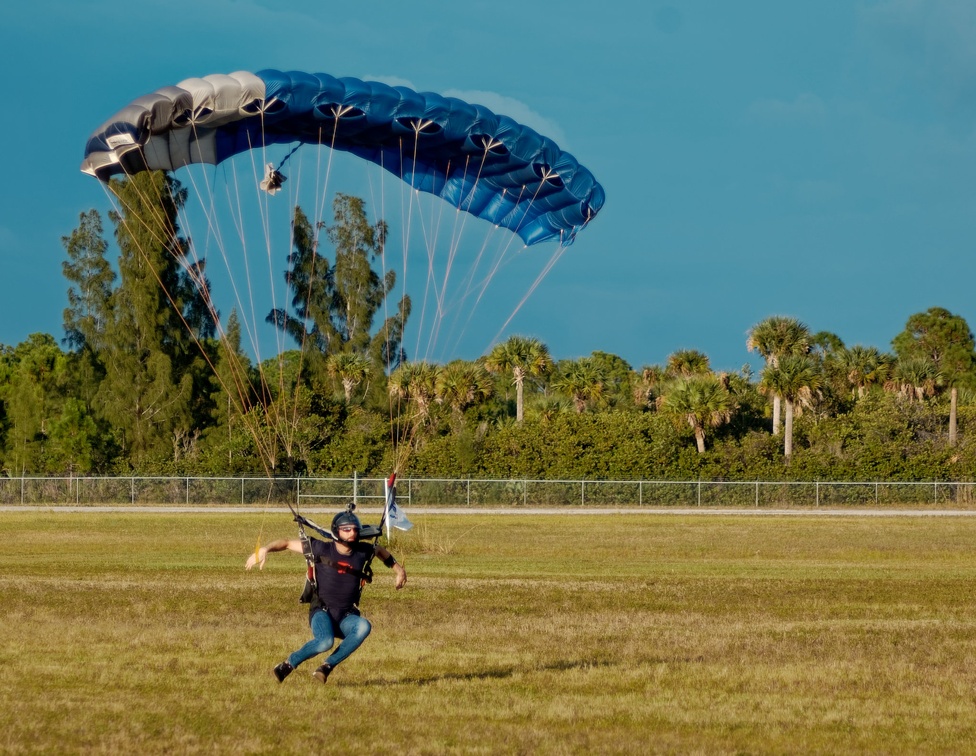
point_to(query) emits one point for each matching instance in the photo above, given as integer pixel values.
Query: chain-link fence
(327, 493)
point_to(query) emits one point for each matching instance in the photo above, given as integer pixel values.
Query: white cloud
(497, 103)
(512, 108)
(393, 81)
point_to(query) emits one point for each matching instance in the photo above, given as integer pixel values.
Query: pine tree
(334, 306)
(86, 317)
(148, 387)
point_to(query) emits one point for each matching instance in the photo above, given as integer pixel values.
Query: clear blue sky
(816, 160)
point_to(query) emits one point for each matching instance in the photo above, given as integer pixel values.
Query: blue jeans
(352, 630)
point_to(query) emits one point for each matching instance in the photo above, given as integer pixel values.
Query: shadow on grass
(486, 674)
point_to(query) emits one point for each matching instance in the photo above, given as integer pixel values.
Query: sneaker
(322, 673)
(282, 671)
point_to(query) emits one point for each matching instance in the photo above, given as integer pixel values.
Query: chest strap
(345, 569)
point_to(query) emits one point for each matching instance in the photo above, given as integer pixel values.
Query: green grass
(142, 633)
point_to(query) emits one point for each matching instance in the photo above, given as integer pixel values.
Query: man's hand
(399, 576)
(261, 552)
(257, 558)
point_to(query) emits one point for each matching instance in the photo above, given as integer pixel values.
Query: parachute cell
(485, 164)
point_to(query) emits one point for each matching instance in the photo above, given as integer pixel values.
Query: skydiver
(272, 179)
(339, 579)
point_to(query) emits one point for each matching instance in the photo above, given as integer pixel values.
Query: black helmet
(345, 518)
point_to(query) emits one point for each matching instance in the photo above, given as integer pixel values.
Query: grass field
(127, 633)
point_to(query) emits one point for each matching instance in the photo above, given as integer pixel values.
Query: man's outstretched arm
(282, 544)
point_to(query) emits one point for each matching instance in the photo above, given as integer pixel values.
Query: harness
(310, 594)
(310, 591)
(365, 575)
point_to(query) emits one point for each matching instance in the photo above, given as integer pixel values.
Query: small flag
(393, 515)
(397, 517)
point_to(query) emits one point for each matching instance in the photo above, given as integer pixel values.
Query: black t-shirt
(339, 589)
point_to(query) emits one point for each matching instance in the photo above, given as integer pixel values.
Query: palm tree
(350, 368)
(915, 379)
(415, 382)
(864, 367)
(545, 409)
(646, 387)
(774, 338)
(701, 401)
(462, 384)
(522, 357)
(687, 362)
(797, 379)
(582, 381)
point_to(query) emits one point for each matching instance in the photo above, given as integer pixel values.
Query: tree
(349, 368)
(795, 378)
(461, 385)
(86, 317)
(148, 387)
(92, 280)
(915, 379)
(618, 379)
(828, 349)
(415, 383)
(583, 381)
(864, 367)
(647, 386)
(700, 400)
(522, 357)
(233, 394)
(775, 338)
(37, 387)
(826, 343)
(73, 439)
(685, 363)
(335, 305)
(359, 290)
(944, 339)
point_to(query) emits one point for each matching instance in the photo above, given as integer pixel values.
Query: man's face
(348, 533)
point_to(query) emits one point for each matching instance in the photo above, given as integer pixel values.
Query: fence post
(699, 492)
(816, 497)
(757, 494)
(640, 493)
(468, 487)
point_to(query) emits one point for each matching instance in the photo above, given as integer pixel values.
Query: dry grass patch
(516, 634)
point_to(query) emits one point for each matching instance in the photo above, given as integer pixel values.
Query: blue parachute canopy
(483, 163)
